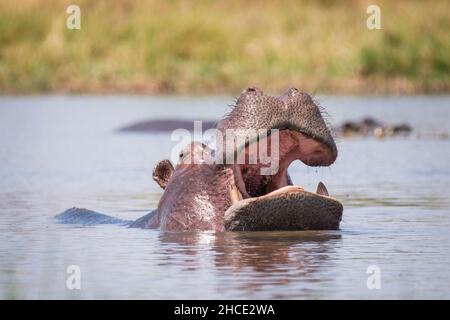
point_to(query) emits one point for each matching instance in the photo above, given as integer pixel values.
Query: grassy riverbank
(223, 46)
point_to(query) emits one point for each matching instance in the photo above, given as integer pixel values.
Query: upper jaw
(294, 111)
(321, 140)
(312, 149)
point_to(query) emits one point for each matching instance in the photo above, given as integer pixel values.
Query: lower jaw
(288, 208)
(277, 185)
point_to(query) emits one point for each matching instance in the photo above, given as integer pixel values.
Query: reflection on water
(271, 258)
(260, 251)
(59, 152)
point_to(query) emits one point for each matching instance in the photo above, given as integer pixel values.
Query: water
(57, 152)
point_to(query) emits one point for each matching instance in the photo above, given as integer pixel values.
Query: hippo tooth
(322, 190)
(235, 195)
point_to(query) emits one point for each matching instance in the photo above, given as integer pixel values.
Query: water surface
(58, 152)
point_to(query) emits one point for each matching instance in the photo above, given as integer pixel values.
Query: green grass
(223, 46)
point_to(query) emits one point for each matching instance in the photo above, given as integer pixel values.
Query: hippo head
(241, 195)
(269, 201)
(302, 135)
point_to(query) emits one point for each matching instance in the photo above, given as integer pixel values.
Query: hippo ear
(162, 173)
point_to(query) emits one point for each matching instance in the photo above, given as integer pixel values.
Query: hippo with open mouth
(201, 193)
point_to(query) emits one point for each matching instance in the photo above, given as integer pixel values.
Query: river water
(57, 152)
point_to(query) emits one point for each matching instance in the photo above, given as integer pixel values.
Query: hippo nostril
(295, 93)
(306, 96)
(292, 92)
(253, 90)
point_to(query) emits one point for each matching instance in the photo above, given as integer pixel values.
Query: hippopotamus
(201, 194)
(205, 192)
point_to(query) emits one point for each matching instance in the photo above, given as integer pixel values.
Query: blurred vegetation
(171, 46)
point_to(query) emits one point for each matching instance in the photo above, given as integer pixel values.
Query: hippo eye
(181, 154)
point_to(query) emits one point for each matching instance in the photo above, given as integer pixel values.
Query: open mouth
(293, 145)
(271, 202)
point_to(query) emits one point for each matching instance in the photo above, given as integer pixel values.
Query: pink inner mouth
(293, 145)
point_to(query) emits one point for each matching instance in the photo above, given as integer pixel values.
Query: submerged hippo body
(201, 194)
